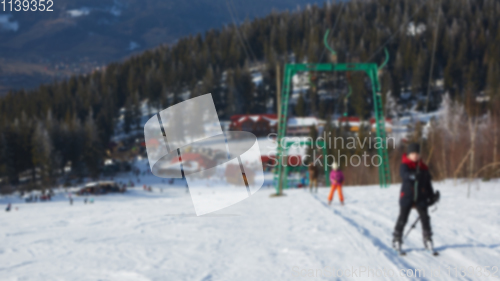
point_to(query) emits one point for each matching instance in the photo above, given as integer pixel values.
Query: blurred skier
(336, 181)
(303, 179)
(8, 208)
(313, 177)
(419, 196)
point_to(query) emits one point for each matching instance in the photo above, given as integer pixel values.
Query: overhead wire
(433, 58)
(429, 85)
(240, 36)
(325, 38)
(337, 18)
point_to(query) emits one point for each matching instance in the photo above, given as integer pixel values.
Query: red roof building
(258, 124)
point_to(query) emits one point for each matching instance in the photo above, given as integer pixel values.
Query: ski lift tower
(371, 70)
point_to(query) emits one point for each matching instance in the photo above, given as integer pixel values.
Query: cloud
(85, 11)
(5, 24)
(75, 13)
(133, 45)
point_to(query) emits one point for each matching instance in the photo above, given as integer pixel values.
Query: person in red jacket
(336, 181)
(416, 192)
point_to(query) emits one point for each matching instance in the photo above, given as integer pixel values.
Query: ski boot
(397, 243)
(429, 246)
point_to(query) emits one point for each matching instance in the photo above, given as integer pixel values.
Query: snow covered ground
(157, 236)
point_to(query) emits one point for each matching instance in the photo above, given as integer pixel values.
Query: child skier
(419, 195)
(336, 181)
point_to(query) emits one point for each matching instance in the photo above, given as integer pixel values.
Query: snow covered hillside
(156, 235)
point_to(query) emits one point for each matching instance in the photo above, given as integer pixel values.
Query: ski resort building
(258, 124)
(301, 126)
(354, 123)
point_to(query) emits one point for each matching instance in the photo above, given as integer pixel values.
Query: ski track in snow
(365, 233)
(157, 236)
(379, 222)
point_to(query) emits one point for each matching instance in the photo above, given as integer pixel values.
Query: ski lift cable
(395, 33)
(346, 98)
(244, 38)
(325, 39)
(327, 46)
(431, 70)
(429, 84)
(237, 31)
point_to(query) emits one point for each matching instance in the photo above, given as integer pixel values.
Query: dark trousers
(404, 212)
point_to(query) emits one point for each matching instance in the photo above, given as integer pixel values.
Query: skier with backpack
(416, 192)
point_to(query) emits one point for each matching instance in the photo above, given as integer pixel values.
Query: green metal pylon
(371, 70)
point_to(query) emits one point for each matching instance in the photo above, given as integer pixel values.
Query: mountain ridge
(79, 36)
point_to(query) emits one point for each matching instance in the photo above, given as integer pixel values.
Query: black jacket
(424, 191)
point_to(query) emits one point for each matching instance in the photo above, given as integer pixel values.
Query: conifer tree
(92, 150)
(42, 153)
(300, 106)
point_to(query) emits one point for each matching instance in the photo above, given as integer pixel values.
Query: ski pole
(412, 227)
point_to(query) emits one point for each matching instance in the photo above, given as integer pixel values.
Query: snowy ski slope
(157, 236)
